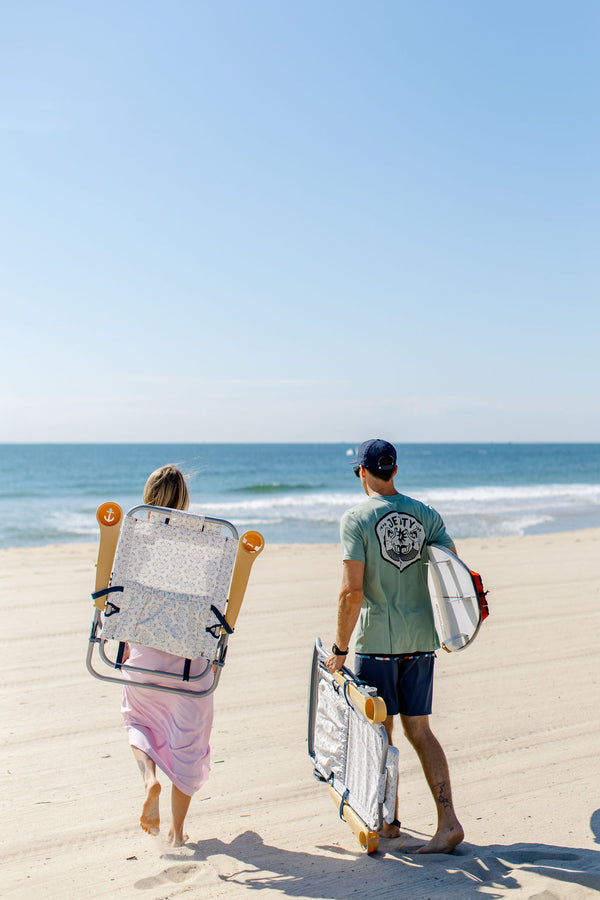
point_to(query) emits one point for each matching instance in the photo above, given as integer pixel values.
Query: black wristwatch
(337, 652)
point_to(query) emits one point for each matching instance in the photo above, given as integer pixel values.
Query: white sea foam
(451, 499)
(78, 524)
(484, 511)
(326, 507)
(551, 493)
(525, 523)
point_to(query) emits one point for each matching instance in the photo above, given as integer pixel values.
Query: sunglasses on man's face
(357, 471)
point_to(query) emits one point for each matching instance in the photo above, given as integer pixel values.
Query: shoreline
(57, 545)
(517, 714)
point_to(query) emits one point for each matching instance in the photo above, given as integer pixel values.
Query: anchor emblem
(109, 514)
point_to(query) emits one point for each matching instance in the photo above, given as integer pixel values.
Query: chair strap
(105, 591)
(120, 652)
(222, 623)
(111, 609)
(345, 796)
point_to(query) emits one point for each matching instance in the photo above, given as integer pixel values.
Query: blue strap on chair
(222, 623)
(105, 591)
(344, 798)
(120, 654)
(111, 608)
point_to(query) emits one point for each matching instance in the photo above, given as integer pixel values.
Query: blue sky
(271, 220)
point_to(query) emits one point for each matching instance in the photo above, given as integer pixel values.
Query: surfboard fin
(481, 594)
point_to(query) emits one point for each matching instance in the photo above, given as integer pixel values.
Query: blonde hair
(167, 487)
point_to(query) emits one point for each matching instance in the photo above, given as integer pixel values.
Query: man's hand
(334, 663)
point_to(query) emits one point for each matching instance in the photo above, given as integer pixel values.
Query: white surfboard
(457, 598)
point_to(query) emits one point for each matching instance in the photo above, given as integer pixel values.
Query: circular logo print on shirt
(401, 538)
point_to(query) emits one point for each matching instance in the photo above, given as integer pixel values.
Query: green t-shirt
(390, 535)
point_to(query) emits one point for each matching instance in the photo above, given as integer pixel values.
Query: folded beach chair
(169, 580)
(349, 748)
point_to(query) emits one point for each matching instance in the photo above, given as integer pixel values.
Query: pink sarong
(173, 730)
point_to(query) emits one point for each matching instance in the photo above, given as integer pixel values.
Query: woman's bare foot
(444, 840)
(175, 839)
(150, 818)
(180, 803)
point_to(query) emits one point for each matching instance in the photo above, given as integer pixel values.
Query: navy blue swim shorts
(404, 682)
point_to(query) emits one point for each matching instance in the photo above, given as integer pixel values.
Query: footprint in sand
(521, 857)
(172, 875)
(545, 895)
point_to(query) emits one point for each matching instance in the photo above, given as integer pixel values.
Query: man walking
(384, 590)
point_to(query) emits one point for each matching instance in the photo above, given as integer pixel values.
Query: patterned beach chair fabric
(169, 588)
(348, 751)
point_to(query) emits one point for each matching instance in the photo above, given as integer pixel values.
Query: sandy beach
(518, 714)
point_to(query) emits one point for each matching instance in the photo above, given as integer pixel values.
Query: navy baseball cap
(376, 456)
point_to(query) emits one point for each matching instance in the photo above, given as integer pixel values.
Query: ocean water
(296, 493)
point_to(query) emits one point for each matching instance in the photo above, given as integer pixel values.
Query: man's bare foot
(444, 840)
(175, 839)
(150, 818)
(389, 830)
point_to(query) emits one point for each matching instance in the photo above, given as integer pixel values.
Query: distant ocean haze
(296, 493)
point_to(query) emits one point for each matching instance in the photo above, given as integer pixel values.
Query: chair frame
(373, 712)
(96, 642)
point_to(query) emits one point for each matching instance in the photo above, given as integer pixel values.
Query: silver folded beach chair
(349, 747)
(176, 585)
